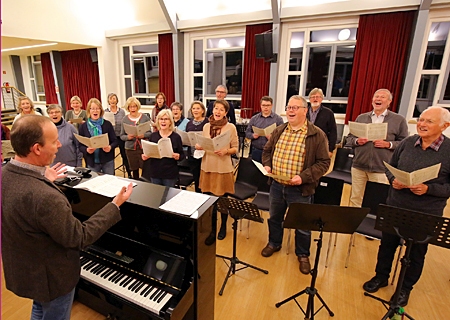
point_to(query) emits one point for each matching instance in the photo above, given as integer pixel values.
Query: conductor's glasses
(294, 108)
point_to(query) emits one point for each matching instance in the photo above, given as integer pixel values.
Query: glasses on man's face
(218, 91)
(315, 97)
(54, 112)
(294, 108)
(266, 105)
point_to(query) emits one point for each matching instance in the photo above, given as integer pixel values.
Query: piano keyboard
(125, 286)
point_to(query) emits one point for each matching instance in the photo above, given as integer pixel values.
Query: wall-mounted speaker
(264, 46)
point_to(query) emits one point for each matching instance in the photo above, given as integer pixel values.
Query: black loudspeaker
(264, 46)
(94, 55)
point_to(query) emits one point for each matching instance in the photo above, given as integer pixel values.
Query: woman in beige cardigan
(216, 175)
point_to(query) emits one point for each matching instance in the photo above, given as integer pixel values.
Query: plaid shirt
(434, 145)
(289, 156)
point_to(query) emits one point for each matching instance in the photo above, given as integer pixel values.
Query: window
(36, 77)
(434, 86)
(218, 61)
(141, 72)
(327, 56)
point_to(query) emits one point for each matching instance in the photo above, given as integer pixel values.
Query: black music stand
(413, 227)
(322, 218)
(237, 210)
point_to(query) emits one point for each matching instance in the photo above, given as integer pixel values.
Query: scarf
(95, 129)
(216, 126)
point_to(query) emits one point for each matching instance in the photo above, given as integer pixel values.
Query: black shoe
(374, 284)
(211, 239)
(222, 232)
(403, 298)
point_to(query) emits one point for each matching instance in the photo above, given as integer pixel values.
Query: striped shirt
(289, 155)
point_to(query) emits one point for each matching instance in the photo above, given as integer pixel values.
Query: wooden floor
(251, 294)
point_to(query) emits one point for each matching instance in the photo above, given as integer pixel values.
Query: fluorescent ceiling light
(30, 47)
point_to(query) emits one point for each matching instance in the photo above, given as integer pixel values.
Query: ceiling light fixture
(30, 47)
(344, 34)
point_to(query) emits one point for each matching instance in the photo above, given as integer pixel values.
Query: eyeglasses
(294, 108)
(220, 91)
(95, 109)
(266, 105)
(164, 119)
(54, 112)
(316, 97)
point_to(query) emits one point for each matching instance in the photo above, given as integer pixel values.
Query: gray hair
(385, 90)
(223, 87)
(444, 116)
(165, 112)
(297, 97)
(53, 106)
(314, 91)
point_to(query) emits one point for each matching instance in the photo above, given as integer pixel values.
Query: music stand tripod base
(320, 218)
(237, 210)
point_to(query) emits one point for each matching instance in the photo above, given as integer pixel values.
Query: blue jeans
(57, 309)
(107, 167)
(164, 182)
(280, 198)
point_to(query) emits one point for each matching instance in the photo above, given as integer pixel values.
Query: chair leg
(335, 239)
(288, 241)
(400, 249)
(352, 239)
(248, 229)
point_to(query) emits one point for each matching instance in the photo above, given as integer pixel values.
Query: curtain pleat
(80, 76)
(256, 72)
(166, 68)
(380, 60)
(49, 80)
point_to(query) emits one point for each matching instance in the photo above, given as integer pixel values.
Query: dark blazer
(41, 239)
(325, 120)
(104, 156)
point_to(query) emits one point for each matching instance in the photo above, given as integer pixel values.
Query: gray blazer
(41, 239)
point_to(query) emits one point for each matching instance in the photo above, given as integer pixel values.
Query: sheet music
(185, 202)
(266, 131)
(110, 117)
(415, 177)
(264, 172)
(218, 143)
(162, 149)
(94, 142)
(137, 130)
(7, 149)
(371, 131)
(188, 138)
(105, 185)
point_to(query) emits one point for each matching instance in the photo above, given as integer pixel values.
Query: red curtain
(80, 76)
(256, 73)
(49, 80)
(166, 69)
(380, 59)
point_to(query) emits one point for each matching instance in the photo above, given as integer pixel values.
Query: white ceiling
(76, 24)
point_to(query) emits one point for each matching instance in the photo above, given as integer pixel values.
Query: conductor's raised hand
(56, 171)
(123, 195)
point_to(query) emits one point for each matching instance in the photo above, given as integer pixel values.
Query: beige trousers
(359, 180)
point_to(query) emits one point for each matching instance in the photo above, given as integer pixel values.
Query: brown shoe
(305, 266)
(269, 250)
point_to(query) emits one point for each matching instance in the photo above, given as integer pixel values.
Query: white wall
(7, 72)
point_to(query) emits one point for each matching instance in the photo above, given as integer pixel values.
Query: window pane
(147, 101)
(427, 88)
(215, 43)
(147, 48)
(39, 78)
(41, 98)
(333, 35)
(37, 58)
(198, 56)
(436, 45)
(139, 75)
(33, 89)
(336, 107)
(198, 88)
(343, 71)
(447, 89)
(292, 87)
(214, 71)
(126, 61)
(318, 66)
(152, 74)
(128, 92)
(234, 72)
(295, 58)
(30, 67)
